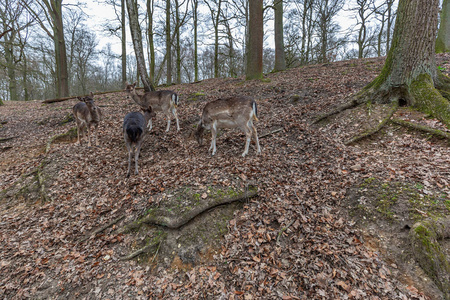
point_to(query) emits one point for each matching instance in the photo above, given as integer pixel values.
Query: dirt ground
(329, 222)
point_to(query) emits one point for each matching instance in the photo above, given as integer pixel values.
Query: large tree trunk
(137, 45)
(255, 40)
(410, 74)
(60, 49)
(280, 60)
(443, 38)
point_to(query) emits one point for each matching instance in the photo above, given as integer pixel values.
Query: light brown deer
(164, 100)
(229, 113)
(87, 115)
(134, 134)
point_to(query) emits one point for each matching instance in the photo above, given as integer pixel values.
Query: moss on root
(427, 99)
(425, 236)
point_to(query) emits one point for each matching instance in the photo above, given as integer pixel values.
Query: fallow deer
(164, 100)
(229, 113)
(134, 133)
(87, 115)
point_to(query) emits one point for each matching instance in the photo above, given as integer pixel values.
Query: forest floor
(329, 221)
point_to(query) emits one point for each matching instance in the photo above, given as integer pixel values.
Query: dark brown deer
(229, 113)
(87, 115)
(164, 100)
(134, 134)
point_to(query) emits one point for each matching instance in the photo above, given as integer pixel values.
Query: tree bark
(137, 44)
(150, 9)
(60, 49)
(410, 74)
(195, 20)
(280, 59)
(443, 38)
(255, 40)
(124, 43)
(168, 45)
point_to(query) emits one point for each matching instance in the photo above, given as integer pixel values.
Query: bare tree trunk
(150, 9)
(195, 19)
(280, 59)
(443, 38)
(255, 40)
(177, 38)
(168, 45)
(124, 43)
(137, 44)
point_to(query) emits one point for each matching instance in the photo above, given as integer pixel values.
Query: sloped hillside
(306, 235)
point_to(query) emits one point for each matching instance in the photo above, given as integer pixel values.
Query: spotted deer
(134, 134)
(87, 115)
(234, 112)
(164, 100)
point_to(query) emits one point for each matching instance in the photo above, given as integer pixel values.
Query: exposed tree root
(146, 249)
(98, 230)
(376, 129)
(350, 104)
(425, 236)
(71, 133)
(410, 125)
(170, 219)
(2, 140)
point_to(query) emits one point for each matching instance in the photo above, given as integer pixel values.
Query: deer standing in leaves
(87, 115)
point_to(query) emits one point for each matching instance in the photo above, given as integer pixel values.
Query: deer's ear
(134, 84)
(92, 94)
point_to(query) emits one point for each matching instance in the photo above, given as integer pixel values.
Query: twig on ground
(283, 230)
(270, 133)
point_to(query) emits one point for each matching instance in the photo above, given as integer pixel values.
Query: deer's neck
(136, 98)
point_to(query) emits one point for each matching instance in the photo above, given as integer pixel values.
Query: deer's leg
(89, 134)
(136, 157)
(79, 128)
(213, 138)
(150, 125)
(248, 134)
(130, 153)
(96, 135)
(174, 112)
(168, 121)
(258, 148)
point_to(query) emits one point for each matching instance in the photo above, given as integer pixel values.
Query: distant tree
(255, 40)
(49, 15)
(443, 38)
(11, 13)
(385, 15)
(326, 11)
(137, 45)
(180, 20)
(195, 28)
(280, 59)
(168, 45)
(364, 10)
(215, 9)
(150, 35)
(117, 27)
